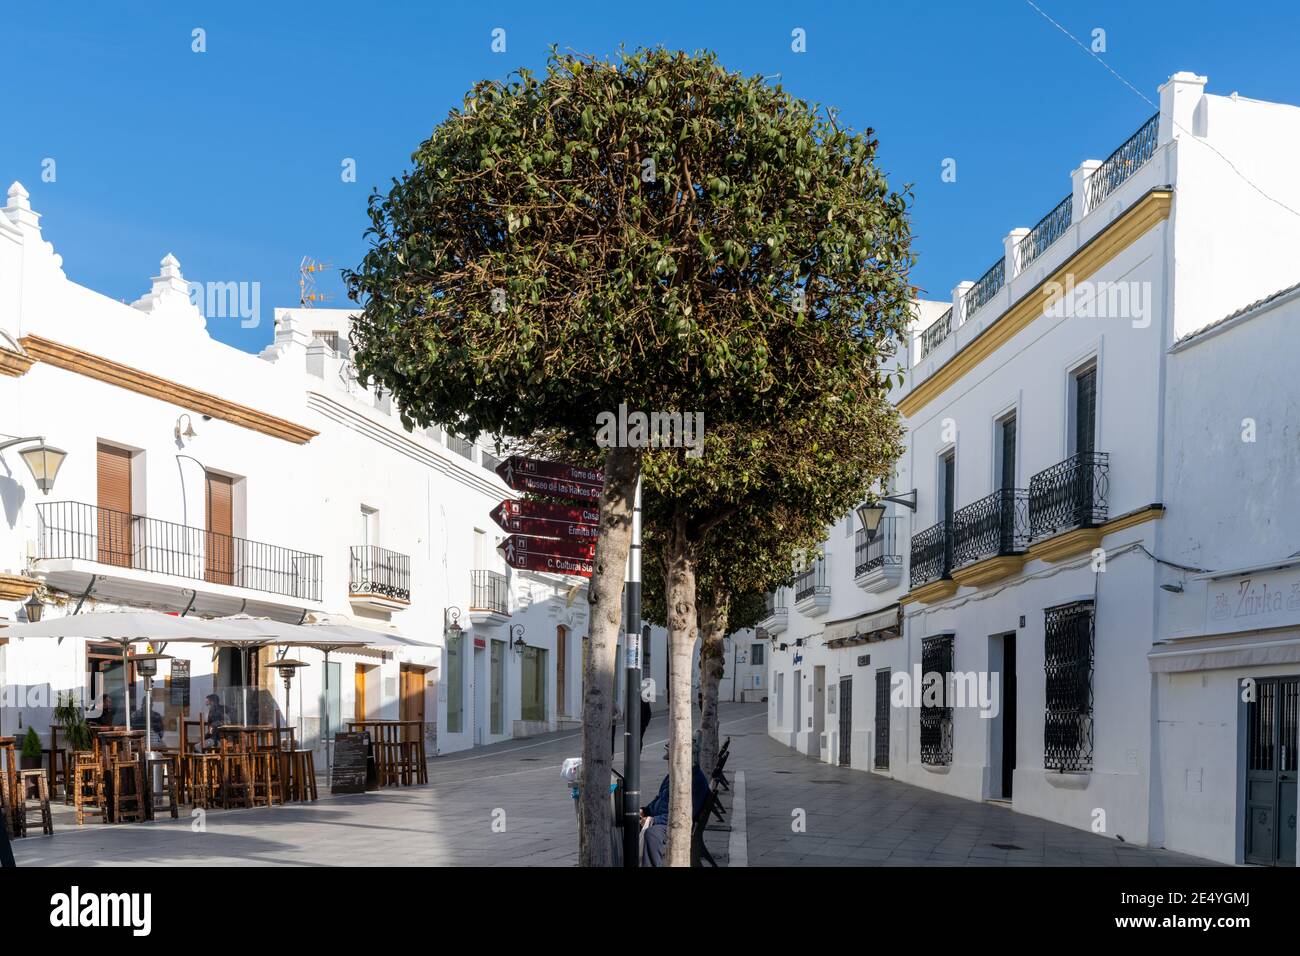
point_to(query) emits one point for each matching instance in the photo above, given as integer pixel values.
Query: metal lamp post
(147, 666)
(870, 512)
(517, 643)
(43, 461)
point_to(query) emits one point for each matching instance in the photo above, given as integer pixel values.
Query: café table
(398, 750)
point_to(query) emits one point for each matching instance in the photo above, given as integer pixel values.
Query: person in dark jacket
(656, 811)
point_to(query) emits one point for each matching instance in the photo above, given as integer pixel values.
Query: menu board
(180, 685)
(351, 756)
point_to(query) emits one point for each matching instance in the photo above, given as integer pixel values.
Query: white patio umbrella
(305, 635)
(125, 628)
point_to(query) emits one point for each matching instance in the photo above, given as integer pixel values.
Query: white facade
(320, 471)
(1056, 523)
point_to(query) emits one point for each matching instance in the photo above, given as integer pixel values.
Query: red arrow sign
(525, 560)
(516, 543)
(547, 521)
(551, 478)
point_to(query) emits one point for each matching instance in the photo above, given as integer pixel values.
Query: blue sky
(231, 158)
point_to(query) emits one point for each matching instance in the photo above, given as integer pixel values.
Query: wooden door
(113, 516)
(219, 550)
(412, 705)
(359, 692)
(561, 656)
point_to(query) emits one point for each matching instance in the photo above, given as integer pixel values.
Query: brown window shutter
(221, 522)
(113, 521)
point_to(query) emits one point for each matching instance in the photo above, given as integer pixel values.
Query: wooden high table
(398, 750)
(113, 741)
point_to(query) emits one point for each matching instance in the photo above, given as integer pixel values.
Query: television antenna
(307, 294)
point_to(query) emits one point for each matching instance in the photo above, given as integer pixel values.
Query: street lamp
(870, 512)
(43, 460)
(34, 608)
(451, 622)
(517, 638)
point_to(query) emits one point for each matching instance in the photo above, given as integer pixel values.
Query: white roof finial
(18, 196)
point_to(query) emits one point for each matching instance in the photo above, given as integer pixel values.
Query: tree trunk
(714, 612)
(605, 597)
(680, 599)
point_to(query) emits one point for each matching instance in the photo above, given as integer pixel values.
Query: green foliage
(72, 721)
(31, 743)
(670, 291)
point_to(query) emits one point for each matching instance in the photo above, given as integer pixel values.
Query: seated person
(214, 719)
(656, 811)
(155, 721)
(106, 713)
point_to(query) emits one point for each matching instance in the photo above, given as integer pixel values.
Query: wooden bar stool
(170, 764)
(13, 816)
(236, 779)
(42, 794)
(128, 791)
(302, 764)
(88, 786)
(202, 775)
(264, 778)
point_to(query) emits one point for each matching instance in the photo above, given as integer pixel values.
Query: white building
(1056, 412)
(206, 480)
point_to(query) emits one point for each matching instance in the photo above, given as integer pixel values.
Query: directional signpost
(551, 479)
(561, 539)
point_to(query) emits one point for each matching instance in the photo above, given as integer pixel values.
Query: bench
(700, 852)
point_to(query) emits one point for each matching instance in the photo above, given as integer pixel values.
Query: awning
(1253, 650)
(876, 626)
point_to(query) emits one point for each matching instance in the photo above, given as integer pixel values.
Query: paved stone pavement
(853, 818)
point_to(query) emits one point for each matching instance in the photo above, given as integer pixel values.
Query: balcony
(1122, 163)
(878, 563)
(812, 595)
(378, 578)
(931, 562)
(120, 556)
(989, 537)
(489, 598)
(935, 333)
(983, 291)
(1048, 229)
(1067, 504)
(777, 615)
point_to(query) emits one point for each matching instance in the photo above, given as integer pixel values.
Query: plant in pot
(30, 758)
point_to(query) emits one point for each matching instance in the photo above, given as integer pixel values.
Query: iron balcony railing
(936, 332)
(376, 571)
(488, 592)
(73, 530)
(1050, 228)
(997, 524)
(1070, 494)
(1122, 163)
(880, 552)
(986, 287)
(811, 580)
(774, 603)
(931, 554)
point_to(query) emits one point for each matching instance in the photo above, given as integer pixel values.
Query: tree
(732, 522)
(655, 231)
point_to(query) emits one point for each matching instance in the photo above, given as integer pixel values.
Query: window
(329, 337)
(1084, 411)
(1067, 659)
(936, 711)
(756, 654)
(497, 693)
(455, 683)
(532, 685)
(368, 527)
(460, 446)
(1006, 453)
(114, 524)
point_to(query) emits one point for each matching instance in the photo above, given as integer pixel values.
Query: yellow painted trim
(14, 363)
(1082, 540)
(145, 383)
(16, 587)
(1066, 545)
(1137, 517)
(989, 570)
(929, 593)
(1106, 245)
